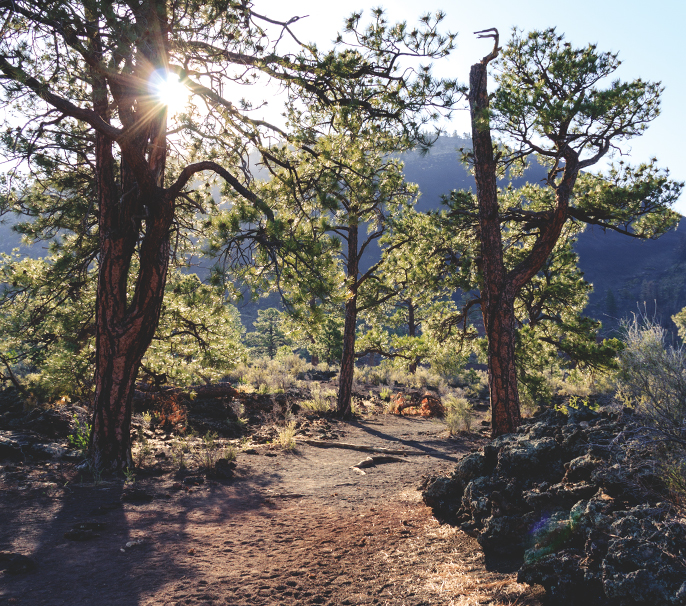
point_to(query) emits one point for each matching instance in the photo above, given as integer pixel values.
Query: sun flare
(170, 92)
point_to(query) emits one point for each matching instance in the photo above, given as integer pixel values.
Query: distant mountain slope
(631, 275)
(624, 272)
(9, 238)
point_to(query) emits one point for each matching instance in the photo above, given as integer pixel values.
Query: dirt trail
(292, 528)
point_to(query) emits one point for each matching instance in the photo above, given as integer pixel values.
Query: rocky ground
(581, 502)
(309, 526)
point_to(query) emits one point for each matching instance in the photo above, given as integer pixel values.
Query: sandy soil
(294, 528)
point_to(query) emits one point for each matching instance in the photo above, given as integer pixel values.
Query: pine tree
(548, 104)
(269, 334)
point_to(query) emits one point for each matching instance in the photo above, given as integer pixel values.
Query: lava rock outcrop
(583, 508)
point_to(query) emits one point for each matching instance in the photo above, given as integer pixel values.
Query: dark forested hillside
(627, 274)
(632, 275)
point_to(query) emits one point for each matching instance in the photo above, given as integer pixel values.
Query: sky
(647, 35)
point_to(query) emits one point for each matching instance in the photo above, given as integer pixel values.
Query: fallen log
(360, 447)
(375, 460)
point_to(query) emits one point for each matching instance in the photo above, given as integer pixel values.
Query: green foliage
(80, 437)
(421, 323)
(47, 331)
(680, 320)
(269, 335)
(577, 403)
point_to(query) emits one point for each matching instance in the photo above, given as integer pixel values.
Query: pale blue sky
(647, 35)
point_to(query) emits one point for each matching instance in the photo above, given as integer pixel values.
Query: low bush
(459, 414)
(320, 400)
(652, 381)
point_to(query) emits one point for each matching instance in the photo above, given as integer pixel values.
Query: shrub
(230, 453)
(80, 438)
(459, 415)
(320, 400)
(652, 379)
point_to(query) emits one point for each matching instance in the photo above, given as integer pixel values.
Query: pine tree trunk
(499, 320)
(412, 332)
(126, 321)
(497, 295)
(345, 379)
(124, 330)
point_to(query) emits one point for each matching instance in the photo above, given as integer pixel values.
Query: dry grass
(443, 562)
(459, 415)
(286, 436)
(461, 586)
(321, 400)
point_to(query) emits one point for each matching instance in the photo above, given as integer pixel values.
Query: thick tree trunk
(124, 330)
(125, 321)
(497, 296)
(499, 287)
(345, 379)
(499, 320)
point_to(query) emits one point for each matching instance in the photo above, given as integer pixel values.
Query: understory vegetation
(648, 377)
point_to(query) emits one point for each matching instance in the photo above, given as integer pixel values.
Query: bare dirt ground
(294, 528)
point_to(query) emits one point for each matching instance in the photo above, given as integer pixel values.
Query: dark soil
(292, 528)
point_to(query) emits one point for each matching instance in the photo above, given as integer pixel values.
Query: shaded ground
(290, 528)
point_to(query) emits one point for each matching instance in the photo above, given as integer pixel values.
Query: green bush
(459, 414)
(80, 437)
(320, 401)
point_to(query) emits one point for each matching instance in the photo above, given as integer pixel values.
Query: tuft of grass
(286, 436)
(209, 450)
(179, 448)
(385, 394)
(459, 415)
(230, 453)
(144, 448)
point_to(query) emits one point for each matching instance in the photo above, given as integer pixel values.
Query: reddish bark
(412, 332)
(497, 300)
(125, 327)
